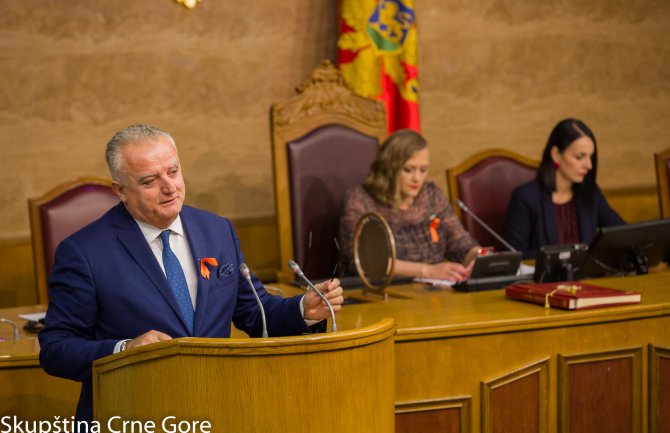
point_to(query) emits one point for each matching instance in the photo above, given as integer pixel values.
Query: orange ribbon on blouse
(433, 230)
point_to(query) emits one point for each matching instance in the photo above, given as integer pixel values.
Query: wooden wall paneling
(634, 204)
(445, 415)
(517, 401)
(659, 389)
(601, 392)
(17, 277)
(258, 240)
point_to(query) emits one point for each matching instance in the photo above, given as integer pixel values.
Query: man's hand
(148, 338)
(315, 308)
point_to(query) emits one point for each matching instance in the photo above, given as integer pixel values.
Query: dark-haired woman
(430, 240)
(563, 204)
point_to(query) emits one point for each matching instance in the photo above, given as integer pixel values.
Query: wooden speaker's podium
(336, 382)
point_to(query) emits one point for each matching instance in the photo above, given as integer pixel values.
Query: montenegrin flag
(378, 56)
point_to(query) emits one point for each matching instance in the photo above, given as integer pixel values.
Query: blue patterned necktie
(177, 281)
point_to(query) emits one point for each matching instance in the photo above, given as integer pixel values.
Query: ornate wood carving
(325, 92)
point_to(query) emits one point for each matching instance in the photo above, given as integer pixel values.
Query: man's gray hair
(131, 134)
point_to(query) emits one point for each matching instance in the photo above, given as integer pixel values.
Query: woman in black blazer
(563, 204)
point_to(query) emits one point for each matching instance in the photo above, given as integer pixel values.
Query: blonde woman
(430, 240)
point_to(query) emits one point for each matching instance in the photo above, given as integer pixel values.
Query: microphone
(296, 269)
(486, 226)
(245, 273)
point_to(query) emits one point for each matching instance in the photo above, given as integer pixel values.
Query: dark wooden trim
(461, 404)
(601, 364)
(660, 159)
(659, 389)
(511, 379)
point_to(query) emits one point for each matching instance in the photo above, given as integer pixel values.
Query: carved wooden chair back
(323, 141)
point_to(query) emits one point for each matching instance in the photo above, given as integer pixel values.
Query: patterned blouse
(410, 227)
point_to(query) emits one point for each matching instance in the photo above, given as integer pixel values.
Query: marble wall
(493, 73)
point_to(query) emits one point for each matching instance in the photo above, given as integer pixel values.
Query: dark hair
(561, 137)
(384, 178)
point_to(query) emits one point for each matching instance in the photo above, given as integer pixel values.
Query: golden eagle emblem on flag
(389, 25)
(378, 56)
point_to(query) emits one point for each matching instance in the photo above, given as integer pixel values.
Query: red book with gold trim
(571, 295)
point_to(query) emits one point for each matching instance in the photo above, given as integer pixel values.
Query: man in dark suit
(152, 269)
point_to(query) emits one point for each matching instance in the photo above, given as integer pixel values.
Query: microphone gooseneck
(486, 226)
(296, 269)
(245, 273)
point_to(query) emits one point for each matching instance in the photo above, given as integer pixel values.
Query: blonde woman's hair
(383, 182)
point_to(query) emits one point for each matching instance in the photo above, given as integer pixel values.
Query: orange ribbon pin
(203, 266)
(433, 230)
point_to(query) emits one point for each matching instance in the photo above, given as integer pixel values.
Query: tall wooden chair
(324, 140)
(484, 183)
(663, 181)
(59, 213)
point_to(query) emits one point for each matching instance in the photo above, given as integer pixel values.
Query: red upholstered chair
(663, 181)
(324, 140)
(59, 213)
(484, 182)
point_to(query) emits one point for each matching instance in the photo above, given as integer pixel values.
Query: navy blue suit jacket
(106, 285)
(531, 219)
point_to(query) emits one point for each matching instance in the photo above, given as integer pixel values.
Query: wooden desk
(26, 390)
(466, 362)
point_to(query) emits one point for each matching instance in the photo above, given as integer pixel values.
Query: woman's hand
(448, 271)
(440, 271)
